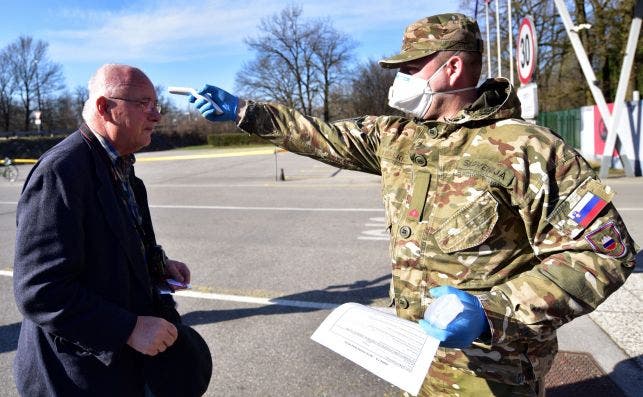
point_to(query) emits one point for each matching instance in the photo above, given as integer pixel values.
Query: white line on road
(238, 298)
(223, 207)
(259, 301)
(220, 207)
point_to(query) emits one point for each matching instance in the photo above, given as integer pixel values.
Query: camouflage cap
(450, 32)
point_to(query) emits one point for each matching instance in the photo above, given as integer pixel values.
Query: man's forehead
(142, 88)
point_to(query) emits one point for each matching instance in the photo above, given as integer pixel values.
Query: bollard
(282, 177)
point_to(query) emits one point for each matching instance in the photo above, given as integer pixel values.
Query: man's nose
(154, 115)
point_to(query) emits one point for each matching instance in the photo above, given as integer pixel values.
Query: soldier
(480, 204)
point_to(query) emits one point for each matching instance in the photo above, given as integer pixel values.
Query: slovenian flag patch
(587, 209)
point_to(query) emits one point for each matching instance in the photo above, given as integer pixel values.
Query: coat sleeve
(583, 249)
(350, 144)
(51, 263)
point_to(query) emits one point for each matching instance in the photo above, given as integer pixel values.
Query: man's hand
(226, 101)
(152, 335)
(465, 327)
(178, 271)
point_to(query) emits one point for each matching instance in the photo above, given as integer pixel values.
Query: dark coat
(80, 278)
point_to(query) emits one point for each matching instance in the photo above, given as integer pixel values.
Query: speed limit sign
(526, 51)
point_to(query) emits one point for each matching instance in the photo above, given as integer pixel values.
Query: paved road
(317, 237)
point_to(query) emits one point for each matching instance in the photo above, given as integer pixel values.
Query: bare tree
(79, 97)
(297, 62)
(333, 51)
(370, 89)
(7, 89)
(266, 78)
(36, 77)
(558, 73)
(61, 112)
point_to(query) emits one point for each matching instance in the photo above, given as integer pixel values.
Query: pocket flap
(469, 226)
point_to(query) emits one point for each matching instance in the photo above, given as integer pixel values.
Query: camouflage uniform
(487, 203)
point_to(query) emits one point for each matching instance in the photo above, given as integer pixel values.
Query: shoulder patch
(579, 209)
(607, 240)
(494, 171)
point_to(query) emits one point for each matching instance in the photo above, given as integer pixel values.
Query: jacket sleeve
(51, 264)
(582, 247)
(350, 144)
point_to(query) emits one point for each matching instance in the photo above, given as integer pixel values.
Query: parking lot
(312, 241)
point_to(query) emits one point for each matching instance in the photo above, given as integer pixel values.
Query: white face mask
(414, 95)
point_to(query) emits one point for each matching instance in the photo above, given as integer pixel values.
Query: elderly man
(499, 213)
(86, 260)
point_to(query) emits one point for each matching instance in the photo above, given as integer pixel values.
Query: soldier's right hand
(152, 335)
(226, 101)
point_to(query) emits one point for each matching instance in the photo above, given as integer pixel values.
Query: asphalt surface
(315, 240)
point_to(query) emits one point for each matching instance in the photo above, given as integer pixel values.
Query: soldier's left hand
(465, 327)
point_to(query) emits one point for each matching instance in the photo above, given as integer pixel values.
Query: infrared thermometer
(188, 91)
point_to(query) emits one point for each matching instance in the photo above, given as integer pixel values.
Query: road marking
(379, 233)
(143, 158)
(239, 298)
(220, 207)
(255, 152)
(259, 301)
(289, 184)
(237, 208)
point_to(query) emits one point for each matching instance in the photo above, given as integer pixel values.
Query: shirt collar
(113, 154)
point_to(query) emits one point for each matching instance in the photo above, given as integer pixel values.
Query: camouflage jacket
(485, 202)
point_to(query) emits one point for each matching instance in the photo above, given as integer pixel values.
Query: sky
(190, 43)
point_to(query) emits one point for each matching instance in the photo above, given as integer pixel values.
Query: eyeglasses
(145, 104)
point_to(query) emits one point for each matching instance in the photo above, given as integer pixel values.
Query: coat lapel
(119, 222)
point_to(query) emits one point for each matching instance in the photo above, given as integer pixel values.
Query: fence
(567, 123)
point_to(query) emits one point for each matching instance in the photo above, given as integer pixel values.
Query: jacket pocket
(469, 226)
(65, 346)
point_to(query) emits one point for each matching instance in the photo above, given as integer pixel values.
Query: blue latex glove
(226, 101)
(465, 327)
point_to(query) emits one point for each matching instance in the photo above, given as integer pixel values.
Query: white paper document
(392, 348)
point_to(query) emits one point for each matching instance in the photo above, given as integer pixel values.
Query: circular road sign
(526, 51)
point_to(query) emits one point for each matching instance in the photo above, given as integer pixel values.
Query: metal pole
(619, 102)
(486, 11)
(276, 172)
(498, 38)
(511, 44)
(592, 82)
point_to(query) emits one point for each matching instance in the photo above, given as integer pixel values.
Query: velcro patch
(485, 168)
(587, 209)
(580, 208)
(607, 240)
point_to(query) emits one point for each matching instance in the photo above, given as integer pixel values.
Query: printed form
(392, 348)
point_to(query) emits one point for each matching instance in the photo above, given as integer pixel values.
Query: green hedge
(33, 147)
(28, 147)
(234, 139)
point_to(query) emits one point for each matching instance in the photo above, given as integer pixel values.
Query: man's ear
(101, 105)
(454, 69)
